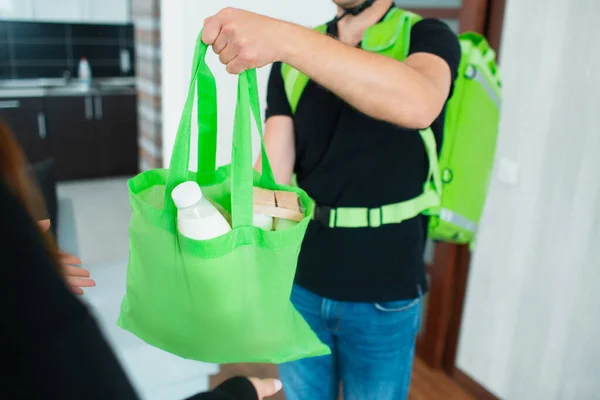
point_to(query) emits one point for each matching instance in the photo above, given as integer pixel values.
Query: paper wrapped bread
(278, 204)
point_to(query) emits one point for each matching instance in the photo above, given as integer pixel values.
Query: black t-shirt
(52, 347)
(345, 158)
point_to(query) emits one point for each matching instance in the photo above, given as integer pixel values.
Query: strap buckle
(375, 217)
(323, 214)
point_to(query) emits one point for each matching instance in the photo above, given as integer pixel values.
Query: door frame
(493, 32)
(438, 344)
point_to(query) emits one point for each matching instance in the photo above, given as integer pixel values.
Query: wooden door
(462, 258)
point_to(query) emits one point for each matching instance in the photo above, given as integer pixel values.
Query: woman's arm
(409, 94)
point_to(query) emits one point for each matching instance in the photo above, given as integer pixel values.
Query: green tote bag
(226, 299)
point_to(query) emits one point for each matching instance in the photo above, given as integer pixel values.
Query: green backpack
(455, 190)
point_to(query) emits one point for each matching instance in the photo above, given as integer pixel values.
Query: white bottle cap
(186, 194)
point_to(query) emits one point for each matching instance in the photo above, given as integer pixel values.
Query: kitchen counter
(90, 132)
(62, 88)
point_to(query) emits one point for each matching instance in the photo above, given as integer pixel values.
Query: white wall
(531, 322)
(181, 21)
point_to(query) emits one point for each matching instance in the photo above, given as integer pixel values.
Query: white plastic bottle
(197, 218)
(262, 221)
(85, 72)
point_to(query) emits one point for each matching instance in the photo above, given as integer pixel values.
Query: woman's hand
(266, 387)
(75, 277)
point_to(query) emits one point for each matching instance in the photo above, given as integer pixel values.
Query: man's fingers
(228, 54)
(80, 282)
(44, 224)
(69, 270)
(225, 47)
(266, 387)
(211, 30)
(236, 66)
(220, 43)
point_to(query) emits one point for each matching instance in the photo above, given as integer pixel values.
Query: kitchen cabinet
(116, 124)
(73, 140)
(88, 136)
(93, 136)
(26, 118)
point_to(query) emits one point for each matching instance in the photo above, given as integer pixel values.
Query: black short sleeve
(277, 102)
(435, 37)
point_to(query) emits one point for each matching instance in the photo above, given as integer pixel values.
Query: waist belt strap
(361, 217)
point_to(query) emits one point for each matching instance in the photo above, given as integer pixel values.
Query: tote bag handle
(208, 121)
(242, 172)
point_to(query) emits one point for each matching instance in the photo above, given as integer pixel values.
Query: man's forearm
(378, 86)
(409, 94)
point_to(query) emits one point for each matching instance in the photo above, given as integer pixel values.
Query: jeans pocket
(397, 306)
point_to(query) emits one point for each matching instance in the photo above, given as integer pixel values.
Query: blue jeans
(372, 344)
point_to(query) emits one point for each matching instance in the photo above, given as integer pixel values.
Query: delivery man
(352, 141)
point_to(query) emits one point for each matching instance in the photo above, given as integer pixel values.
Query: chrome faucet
(67, 77)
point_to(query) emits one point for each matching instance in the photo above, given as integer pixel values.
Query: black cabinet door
(74, 140)
(26, 119)
(116, 117)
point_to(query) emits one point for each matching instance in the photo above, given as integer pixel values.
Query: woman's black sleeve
(232, 389)
(51, 345)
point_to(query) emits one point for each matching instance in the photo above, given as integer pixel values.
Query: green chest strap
(390, 38)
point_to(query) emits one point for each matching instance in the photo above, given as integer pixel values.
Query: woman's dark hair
(14, 173)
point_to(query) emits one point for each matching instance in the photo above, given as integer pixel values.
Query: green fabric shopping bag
(226, 299)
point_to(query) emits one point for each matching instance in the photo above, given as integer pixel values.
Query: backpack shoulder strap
(391, 37)
(294, 81)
